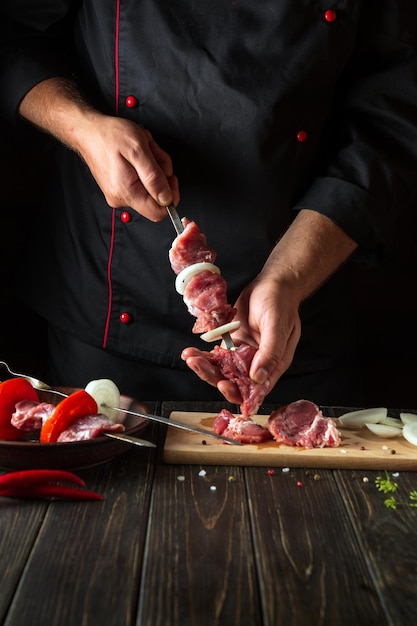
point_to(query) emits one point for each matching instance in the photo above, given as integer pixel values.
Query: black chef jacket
(265, 107)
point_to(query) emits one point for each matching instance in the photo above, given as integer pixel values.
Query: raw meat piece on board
(301, 423)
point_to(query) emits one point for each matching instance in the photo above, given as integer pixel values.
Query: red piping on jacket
(109, 280)
(116, 55)
(113, 218)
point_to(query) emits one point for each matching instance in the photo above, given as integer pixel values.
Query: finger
(192, 351)
(273, 359)
(174, 185)
(205, 370)
(230, 391)
(201, 364)
(155, 182)
(139, 199)
(132, 193)
(162, 158)
(153, 167)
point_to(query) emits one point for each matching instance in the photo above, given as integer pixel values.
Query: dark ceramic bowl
(18, 455)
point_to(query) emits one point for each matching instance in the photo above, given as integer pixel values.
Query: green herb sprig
(388, 486)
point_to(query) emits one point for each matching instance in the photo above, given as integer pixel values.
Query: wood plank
(311, 568)
(387, 538)
(85, 565)
(199, 567)
(20, 522)
(358, 449)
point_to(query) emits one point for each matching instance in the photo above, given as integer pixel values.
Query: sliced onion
(392, 421)
(410, 432)
(407, 418)
(107, 395)
(384, 431)
(216, 333)
(190, 271)
(356, 419)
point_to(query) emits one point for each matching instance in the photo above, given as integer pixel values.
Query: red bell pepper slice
(13, 391)
(77, 405)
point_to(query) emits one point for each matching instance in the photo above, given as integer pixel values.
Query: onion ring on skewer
(216, 333)
(190, 271)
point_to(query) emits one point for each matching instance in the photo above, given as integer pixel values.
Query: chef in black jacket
(288, 127)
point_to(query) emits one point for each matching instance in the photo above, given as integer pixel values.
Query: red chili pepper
(45, 483)
(67, 411)
(13, 391)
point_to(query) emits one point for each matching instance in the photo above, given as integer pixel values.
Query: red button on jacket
(330, 15)
(125, 217)
(131, 102)
(125, 318)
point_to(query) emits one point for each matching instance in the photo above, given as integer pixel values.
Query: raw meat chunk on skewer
(235, 366)
(190, 247)
(204, 289)
(30, 416)
(206, 299)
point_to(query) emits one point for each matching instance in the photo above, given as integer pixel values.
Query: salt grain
(385, 447)
(181, 478)
(285, 469)
(365, 479)
(396, 474)
(202, 473)
(213, 488)
(343, 451)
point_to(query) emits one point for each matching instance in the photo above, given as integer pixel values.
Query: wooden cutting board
(358, 450)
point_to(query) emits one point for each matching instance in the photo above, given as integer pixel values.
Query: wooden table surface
(237, 546)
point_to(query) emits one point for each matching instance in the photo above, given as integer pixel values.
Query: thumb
(274, 355)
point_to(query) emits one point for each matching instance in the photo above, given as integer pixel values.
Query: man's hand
(127, 164)
(312, 249)
(270, 322)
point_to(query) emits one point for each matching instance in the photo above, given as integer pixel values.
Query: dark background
(386, 296)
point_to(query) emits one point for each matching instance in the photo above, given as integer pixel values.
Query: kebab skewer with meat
(205, 295)
(201, 284)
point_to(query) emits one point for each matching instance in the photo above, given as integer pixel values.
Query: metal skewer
(39, 384)
(228, 341)
(175, 219)
(168, 421)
